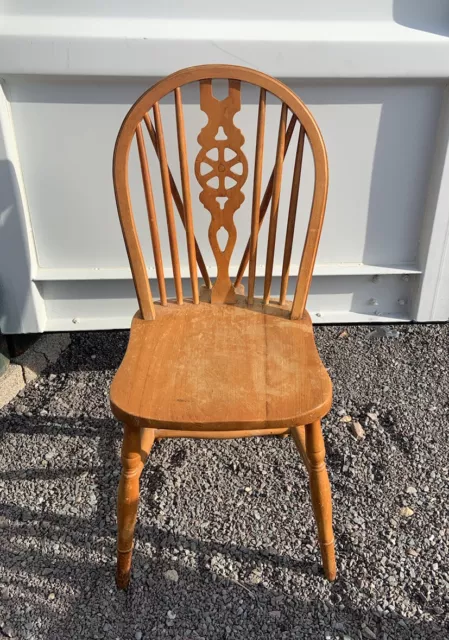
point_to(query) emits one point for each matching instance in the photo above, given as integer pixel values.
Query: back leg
(299, 438)
(321, 497)
(133, 459)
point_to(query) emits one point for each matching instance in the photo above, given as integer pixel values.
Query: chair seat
(207, 367)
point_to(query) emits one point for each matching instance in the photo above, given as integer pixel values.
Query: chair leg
(299, 438)
(128, 499)
(321, 497)
(146, 442)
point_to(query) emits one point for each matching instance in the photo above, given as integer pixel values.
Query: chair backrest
(224, 198)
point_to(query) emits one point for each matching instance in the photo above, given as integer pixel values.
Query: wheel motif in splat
(221, 169)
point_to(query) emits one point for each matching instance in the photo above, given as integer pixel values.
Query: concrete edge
(31, 364)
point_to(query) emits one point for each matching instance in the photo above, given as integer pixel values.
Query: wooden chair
(220, 365)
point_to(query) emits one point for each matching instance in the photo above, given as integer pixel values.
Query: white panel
(21, 306)
(407, 11)
(379, 141)
(357, 39)
(432, 293)
(111, 304)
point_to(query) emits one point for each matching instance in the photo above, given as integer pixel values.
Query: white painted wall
(373, 74)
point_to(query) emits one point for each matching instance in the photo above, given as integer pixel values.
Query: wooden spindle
(168, 203)
(292, 216)
(186, 195)
(256, 196)
(264, 204)
(178, 203)
(275, 205)
(129, 230)
(313, 234)
(154, 231)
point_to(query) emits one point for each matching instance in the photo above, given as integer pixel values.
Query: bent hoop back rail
(220, 115)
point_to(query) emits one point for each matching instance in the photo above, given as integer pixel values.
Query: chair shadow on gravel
(208, 601)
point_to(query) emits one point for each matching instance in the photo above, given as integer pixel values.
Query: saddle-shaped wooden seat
(214, 367)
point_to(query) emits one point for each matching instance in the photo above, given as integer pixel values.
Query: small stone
(47, 571)
(406, 512)
(343, 334)
(346, 419)
(435, 566)
(357, 430)
(171, 575)
(255, 576)
(7, 631)
(138, 635)
(373, 416)
(275, 614)
(368, 633)
(270, 550)
(411, 490)
(412, 552)
(171, 615)
(52, 377)
(51, 596)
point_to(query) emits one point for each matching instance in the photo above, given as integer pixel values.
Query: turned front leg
(321, 496)
(128, 501)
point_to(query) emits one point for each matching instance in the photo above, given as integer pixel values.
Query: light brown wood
(299, 437)
(275, 204)
(255, 216)
(220, 435)
(264, 205)
(206, 367)
(128, 501)
(168, 203)
(220, 115)
(152, 219)
(321, 497)
(178, 202)
(147, 437)
(186, 195)
(217, 370)
(289, 233)
(232, 73)
(128, 225)
(312, 239)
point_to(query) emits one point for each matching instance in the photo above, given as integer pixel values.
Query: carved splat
(221, 169)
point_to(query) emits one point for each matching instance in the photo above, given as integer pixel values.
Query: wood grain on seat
(216, 366)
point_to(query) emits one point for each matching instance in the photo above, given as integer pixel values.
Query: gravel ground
(226, 544)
